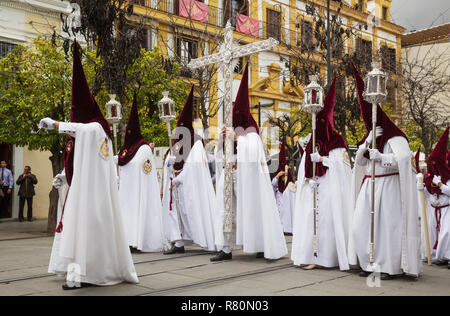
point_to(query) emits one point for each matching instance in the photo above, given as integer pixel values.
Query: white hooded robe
(93, 238)
(257, 222)
(140, 202)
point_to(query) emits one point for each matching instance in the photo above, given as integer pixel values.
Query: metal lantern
(375, 91)
(166, 108)
(113, 110)
(113, 115)
(313, 102)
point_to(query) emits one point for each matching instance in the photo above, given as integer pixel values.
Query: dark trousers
(4, 203)
(22, 205)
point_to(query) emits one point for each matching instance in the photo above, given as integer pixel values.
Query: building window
(232, 8)
(307, 36)
(385, 13)
(337, 44)
(389, 59)
(364, 52)
(149, 39)
(360, 5)
(391, 97)
(5, 48)
(273, 24)
(186, 51)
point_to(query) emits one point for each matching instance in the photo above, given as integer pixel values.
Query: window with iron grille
(307, 36)
(364, 51)
(273, 28)
(232, 8)
(149, 39)
(388, 59)
(186, 50)
(385, 13)
(391, 97)
(361, 5)
(5, 48)
(337, 44)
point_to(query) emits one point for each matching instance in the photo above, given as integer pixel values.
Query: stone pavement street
(25, 252)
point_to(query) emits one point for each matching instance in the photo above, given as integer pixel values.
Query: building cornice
(50, 8)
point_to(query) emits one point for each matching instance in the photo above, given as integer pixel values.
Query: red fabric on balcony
(247, 25)
(195, 10)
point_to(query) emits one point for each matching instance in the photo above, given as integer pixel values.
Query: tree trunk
(57, 165)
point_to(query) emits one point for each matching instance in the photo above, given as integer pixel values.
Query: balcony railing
(217, 17)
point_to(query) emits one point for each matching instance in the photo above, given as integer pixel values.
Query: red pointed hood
(133, 137)
(185, 120)
(437, 164)
(282, 163)
(390, 130)
(327, 138)
(242, 118)
(83, 109)
(417, 160)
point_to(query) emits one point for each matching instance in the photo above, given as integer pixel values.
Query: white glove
(437, 180)
(315, 157)
(313, 184)
(59, 180)
(420, 185)
(378, 133)
(360, 159)
(171, 161)
(375, 155)
(47, 123)
(176, 182)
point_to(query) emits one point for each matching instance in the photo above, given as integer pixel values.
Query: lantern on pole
(166, 108)
(313, 103)
(113, 115)
(374, 93)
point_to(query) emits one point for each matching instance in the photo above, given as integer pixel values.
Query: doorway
(6, 154)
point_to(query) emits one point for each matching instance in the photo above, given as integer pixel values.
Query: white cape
(140, 202)
(334, 215)
(405, 194)
(196, 201)
(258, 224)
(93, 237)
(57, 263)
(285, 204)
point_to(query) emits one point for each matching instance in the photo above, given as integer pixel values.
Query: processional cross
(228, 52)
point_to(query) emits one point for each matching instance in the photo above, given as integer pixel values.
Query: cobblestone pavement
(25, 252)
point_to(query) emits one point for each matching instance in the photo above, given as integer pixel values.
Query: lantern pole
(374, 95)
(313, 104)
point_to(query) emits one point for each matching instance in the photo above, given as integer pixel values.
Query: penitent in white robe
(432, 202)
(333, 216)
(397, 231)
(285, 204)
(256, 220)
(196, 200)
(58, 264)
(140, 202)
(93, 238)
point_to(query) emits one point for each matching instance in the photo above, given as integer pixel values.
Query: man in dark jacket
(27, 180)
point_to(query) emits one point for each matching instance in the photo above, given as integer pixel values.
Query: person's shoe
(134, 250)
(67, 287)
(364, 274)
(30, 219)
(174, 250)
(287, 234)
(21, 220)
(387, 277)
(260, 255)
(440, 263)
(221, 256)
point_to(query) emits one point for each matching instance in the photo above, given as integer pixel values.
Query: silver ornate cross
(228, 52)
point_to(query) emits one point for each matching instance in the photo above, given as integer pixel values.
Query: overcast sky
(420, 14)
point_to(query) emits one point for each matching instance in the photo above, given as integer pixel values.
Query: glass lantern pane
(373, 84)
(308, 97)
(383, 85)
(113, 111)
(166, 109)
(314, 96)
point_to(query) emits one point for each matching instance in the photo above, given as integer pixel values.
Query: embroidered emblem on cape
(413, 163)
(124, 153)
(69, 146)
(104, 149)
(292, 186)
(147, 167)
(346, 158)
(177, 147)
